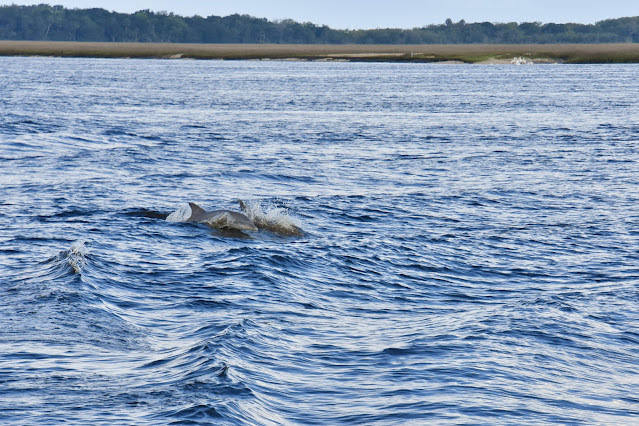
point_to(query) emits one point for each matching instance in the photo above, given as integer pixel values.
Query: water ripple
(467, 251)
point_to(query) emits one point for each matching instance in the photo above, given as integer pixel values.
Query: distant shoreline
(435, 53)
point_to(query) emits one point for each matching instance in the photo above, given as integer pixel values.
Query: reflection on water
(436, 243)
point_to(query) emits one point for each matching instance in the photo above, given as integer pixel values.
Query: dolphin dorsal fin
(196, 211)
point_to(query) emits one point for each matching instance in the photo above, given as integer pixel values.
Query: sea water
(470, 246)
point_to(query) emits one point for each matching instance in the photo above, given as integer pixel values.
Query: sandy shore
(467, 53)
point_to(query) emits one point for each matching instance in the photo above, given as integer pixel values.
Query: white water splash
(273, 219)
(76, 255)
(181, 214)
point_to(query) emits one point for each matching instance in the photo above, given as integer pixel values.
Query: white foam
(274, 219)
(181, 214)
(76, 255)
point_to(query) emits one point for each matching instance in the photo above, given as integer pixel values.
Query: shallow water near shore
(470, 250)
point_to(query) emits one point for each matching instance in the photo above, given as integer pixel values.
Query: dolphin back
(221, 218)
(228, 219)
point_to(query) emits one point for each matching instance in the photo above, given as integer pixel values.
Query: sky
(366, 14)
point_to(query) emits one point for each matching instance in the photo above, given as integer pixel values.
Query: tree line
(56, 23)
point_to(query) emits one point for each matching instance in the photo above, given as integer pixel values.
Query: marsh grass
(468, 53)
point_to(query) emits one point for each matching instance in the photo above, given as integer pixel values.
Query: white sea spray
(181, 214)
(76, 255)
(272, 218)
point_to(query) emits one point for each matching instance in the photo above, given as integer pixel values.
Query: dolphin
(221, 219)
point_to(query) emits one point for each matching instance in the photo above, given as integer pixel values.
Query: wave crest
(75, 257)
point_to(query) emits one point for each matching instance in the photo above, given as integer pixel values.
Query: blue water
(470, 250)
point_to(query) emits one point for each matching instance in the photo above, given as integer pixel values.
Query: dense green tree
(44, 22)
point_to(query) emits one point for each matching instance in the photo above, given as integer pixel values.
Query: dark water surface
(471, 246)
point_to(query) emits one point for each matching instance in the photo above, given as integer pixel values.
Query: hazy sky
(379, 13)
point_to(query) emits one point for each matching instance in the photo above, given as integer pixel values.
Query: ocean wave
(436, 250)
